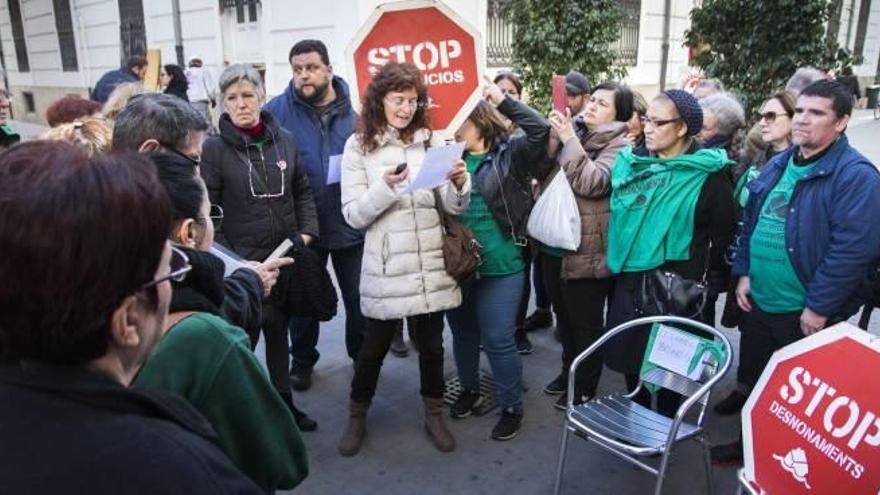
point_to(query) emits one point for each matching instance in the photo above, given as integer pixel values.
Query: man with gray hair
(160, 122)
(803, 77)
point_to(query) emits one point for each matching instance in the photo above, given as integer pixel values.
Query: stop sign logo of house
(811, 425)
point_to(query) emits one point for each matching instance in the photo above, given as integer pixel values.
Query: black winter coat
(504, 176)
(69, 430)
(237, 298)
(230, 165)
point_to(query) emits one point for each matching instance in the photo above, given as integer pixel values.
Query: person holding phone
(502, 168)
(253, 171)
(579, 282)
(403, 273)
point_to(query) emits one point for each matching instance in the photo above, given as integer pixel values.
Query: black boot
(303, 420)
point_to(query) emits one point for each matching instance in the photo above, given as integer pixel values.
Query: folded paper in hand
(438, 163)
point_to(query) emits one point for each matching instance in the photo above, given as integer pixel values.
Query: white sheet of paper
(334, 170)
(231, 261)
(438, 162)
(674, 350)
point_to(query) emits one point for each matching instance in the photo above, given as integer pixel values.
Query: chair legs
(661, 473)
(557, 488)
(707, 460)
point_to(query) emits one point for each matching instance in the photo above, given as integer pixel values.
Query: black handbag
(304, 288)
(667, 293)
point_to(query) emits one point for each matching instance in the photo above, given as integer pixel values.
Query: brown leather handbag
(462, 253)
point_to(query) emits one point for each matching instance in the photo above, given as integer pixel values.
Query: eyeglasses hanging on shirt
(264, 183)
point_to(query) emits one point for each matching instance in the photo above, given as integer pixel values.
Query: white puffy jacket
(403, 273)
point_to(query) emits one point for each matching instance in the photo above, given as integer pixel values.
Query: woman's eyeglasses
(771, 117)
(656, 122)
(179, 268)
(216, 216)
(399, 102)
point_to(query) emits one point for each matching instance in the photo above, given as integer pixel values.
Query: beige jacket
(403, 273)
(588, 169)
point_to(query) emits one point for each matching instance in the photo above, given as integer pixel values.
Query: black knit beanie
(688, 108)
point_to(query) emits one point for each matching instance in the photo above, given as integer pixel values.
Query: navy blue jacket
(318, 138)
(109, 81)
(832, 232)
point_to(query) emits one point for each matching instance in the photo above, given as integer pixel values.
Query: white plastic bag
(555, 220)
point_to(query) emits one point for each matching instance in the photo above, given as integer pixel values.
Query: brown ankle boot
(353, 438)
(435, 427)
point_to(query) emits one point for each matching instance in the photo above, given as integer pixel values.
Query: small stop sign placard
(446, 49)
(811, 425)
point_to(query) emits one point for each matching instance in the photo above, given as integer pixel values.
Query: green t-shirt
(501, 256)
(208, 362)
(776, 287)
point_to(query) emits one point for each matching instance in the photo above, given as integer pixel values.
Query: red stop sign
(445, 48)
(811, 425)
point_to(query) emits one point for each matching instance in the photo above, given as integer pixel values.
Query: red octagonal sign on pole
(811, 425)
(446, 49)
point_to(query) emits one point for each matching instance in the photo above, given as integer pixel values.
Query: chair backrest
(696, 390)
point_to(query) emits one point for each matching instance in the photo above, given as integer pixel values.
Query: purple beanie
(688, 108)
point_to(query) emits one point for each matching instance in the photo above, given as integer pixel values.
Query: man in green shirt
(811, 238)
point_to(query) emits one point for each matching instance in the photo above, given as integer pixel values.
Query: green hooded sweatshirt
(652, 207)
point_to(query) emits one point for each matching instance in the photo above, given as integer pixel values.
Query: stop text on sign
(842, 415)
(426, 56)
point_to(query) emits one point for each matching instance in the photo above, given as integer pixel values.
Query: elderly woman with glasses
(253, 171)
(206, 359)
(671, 209)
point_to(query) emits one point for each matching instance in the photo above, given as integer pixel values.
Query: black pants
(428, 332)
(763, 334)
(304, 331)
(534, 276)
(274, 329)
(580, 317)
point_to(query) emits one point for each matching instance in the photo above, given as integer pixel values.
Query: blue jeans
(304, 331)
(487, 316)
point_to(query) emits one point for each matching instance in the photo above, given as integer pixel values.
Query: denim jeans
(487, 316)
(428, 331)
(304, 331)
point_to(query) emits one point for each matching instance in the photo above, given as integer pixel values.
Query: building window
(241, 7)
(18, 39)
(29, 104)
(66, 41)
(499, 35)
(628, 43)
(862, 29)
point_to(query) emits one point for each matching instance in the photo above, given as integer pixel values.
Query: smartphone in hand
(559, 94)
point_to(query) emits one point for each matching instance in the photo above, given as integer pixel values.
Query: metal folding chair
(631, 431)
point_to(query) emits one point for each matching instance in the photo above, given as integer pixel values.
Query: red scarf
(255, 132)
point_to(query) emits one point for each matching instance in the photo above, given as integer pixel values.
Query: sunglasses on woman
(771, 117)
